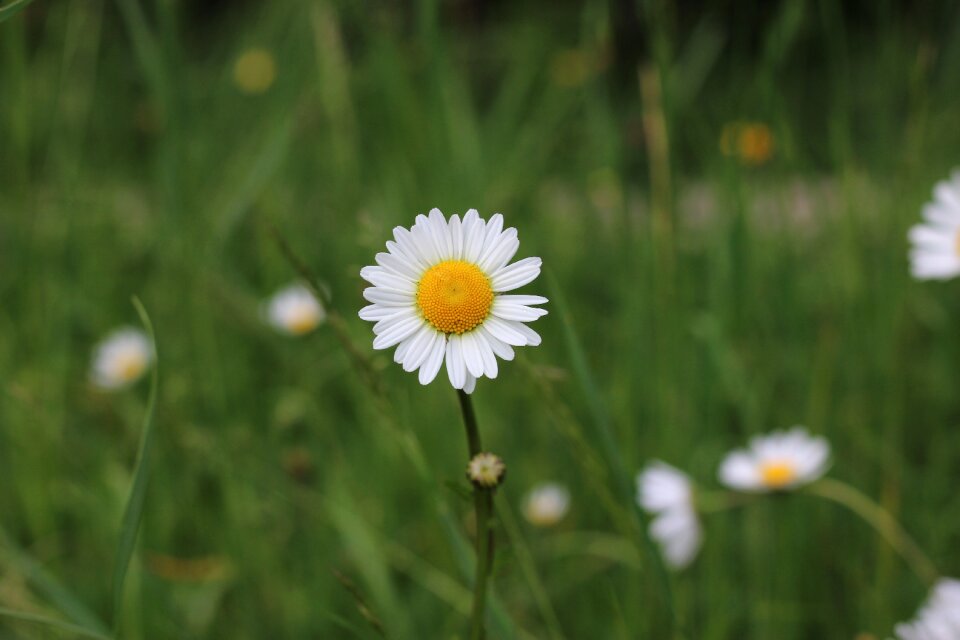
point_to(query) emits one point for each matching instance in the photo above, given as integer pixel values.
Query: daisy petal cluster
(938, 618)
(546, 504)
(778, 461)
(439, 296)
(120, 359)
(294, 310)
(667, 493)
(935, 252)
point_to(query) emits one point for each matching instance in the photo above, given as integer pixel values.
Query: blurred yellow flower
(254, 71)
(751, 142)
(121, 358)
(571, 68)
(546, 504)
(196, 570)
(294, 310)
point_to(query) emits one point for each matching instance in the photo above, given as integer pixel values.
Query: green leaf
(34, 618)
(133, 513)
(12, 9)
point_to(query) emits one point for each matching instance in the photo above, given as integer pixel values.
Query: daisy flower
(121, 358)
(935, 254)
(546, 504)
(776, 462)
(667, 493)
(294, 310)
(939, 618)
(438, 295)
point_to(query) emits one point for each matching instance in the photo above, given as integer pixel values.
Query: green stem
(881, 520)
(483, 506)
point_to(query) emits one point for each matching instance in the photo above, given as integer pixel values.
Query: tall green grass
(130, 164)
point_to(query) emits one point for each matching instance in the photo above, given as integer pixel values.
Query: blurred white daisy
(438, 296)
(294, 310)
(938, 618)
(667, 493)
(121, 358)
(935, 254)
(778, 461)
(546, 504)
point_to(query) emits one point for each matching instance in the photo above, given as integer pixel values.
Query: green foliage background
(758, 298)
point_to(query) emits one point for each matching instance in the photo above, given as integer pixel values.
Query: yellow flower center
(454, 296)
(777, 475)
(130, 366)
(302, 320)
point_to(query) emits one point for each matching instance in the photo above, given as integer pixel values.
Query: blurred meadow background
(720, 192)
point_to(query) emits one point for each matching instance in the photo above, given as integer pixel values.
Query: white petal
(739, 471)
(473, 236)
(383, 279)
(470, 384)
(430, 367)
(456, 237)
(486, 354)
(491, 235)
(423, 237)
(518, 312)
(419, 348)
(928, 237)
(456, 369)
(401, 314)
(410, 247)
(471, 354)
(516, 275)
(402, 348)
(500, 348)
(661, 486)
(501, 252)
(531, 336)
(505, 331)
(526, 300)
(934, 267)
(441, 232)
(387, 297)
(398, 263)
(941, 216)
(396, 333)
(375, 312)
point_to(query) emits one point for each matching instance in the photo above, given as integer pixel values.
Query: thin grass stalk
(483, 506)
(883, 522)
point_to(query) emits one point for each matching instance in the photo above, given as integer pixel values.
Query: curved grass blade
(60, 625)
(49, 587)
(133, 512)
(12, 9)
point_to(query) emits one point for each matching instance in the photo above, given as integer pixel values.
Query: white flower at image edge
(546, 504)
(294, 310)
(935, 254)
(438, 296)
(778, 461)
(120, 359)
(667, 493)
(938, 618)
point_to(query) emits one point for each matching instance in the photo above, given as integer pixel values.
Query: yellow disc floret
(777, 475)
(454, 296)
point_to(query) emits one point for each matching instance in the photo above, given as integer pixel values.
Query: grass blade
(604, 428)
(12, 9)
(60, 625)
(49, 587)
(133, 512)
